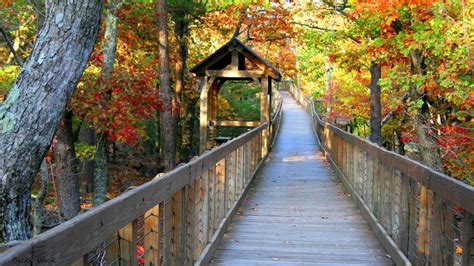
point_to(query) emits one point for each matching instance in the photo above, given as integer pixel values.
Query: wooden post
(212, 109)
(190, 225)
(178, 227)
(264, 112)
(235, 60)
(422, 229)
(165, 231)
(467, 239)
(82, 261)
(212, 201)
(205, 112)
(204, 212)
(240, 171)
(230, 179)
(128, 244)
(112, 251)
(203, 116)
(151, 240)
(405, 213)
(440, 248)
(221, 191)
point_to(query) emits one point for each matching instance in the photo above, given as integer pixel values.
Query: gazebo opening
(233, 63)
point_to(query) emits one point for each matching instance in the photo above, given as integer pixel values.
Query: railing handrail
(419, 215)
(80, 235)
(450, 188)
(89, 229)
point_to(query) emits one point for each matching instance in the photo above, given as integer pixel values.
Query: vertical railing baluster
(151, 239)
(128, 243)
(468, 239)
(212, 201)
(165, 232)
(221, 191)
(190, 224)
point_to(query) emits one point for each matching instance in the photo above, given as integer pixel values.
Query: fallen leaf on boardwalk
(458, 250)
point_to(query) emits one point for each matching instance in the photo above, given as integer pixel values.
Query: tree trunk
(166, 94)
(101, 171)
(375, 105)
(65, 169)
(38, 216)
(328, 70)
(36, 103)
(86, 173)
(181, 32)
(102, 153)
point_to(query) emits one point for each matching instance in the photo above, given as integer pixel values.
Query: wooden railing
(176, 219)
(420, 216)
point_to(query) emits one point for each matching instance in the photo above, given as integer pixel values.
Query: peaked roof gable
(223, 54)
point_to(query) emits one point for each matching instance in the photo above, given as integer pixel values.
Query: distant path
(297, 213)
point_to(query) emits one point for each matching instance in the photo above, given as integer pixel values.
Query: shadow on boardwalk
(296, 212)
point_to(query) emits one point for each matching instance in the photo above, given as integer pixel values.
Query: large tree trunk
(36, 103)
(167, 119)
(181, 32)
(375, 105)
(65, 169)
(102, 153)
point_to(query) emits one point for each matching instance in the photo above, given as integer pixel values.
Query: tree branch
(311, 26)
(325, 29)
(239, 24)
(12, 49)
(391, 113)
(338, 8)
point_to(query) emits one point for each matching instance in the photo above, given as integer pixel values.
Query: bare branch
(12, 49)
(239, 24)
(326, 29)
(312, 26)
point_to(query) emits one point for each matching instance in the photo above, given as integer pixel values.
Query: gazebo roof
(222, 58)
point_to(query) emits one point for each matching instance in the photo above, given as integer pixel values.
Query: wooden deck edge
(387, 242)
(208, 253)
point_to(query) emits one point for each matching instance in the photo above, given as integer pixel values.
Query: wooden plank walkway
(297, 212)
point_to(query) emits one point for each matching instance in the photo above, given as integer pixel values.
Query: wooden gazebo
(233, 61)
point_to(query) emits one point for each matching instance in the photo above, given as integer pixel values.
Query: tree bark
(38, 216)
(87, 165)
(181, 32)
(101, 171)
(102, 153)
(65, 169)
(375, 105)
(328, 70)
(36, 103)
(166, 94)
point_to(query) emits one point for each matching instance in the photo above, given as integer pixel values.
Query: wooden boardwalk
(297, 212)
